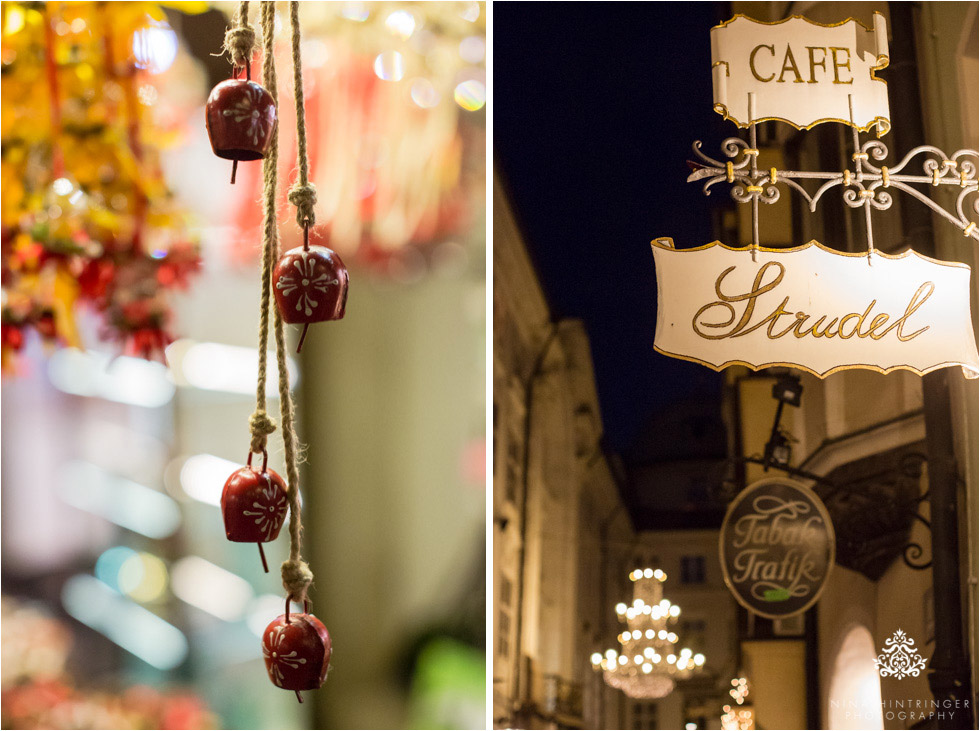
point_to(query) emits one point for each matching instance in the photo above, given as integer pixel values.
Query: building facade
(564, 541)
(558, 522)
(894, 457)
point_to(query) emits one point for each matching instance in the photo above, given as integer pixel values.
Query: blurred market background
(129, 311)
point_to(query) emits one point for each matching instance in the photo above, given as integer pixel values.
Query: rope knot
(261, 425)
(296, 578)
(239, 44)
(304, 198)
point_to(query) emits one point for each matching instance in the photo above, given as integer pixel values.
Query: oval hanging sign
(776, 547)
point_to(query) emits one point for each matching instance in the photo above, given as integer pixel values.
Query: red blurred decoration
(393, 179)
(95, 279)
(12, 336)
(45, 325)
(474, 461)
(87, 220)
(38, 692)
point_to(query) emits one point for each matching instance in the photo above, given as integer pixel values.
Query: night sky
(595, 108)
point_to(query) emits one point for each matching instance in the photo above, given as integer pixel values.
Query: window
(513, 473)
(692, 569)
(503, 617)
(503, 634)
(505, 591)
(644, 715)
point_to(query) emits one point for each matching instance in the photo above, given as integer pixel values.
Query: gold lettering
(789, 64)
(801, 317)
(878, 320)
(822, 63)
(915, 303)
(813, 328)
(780, 311)
(755, 73)
(771, 319)
(880, 325)
(841, 65)
(758, 289)
(857, 326)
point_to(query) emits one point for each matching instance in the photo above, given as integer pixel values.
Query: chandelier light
(648, 664)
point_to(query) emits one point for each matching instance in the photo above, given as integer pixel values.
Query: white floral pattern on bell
(253, 108)
(275, 658)
(270, 510)
(307, 279)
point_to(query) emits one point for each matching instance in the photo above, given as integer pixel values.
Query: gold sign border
(667, 242)
(821, 508)
(659, 243)
(883, 124)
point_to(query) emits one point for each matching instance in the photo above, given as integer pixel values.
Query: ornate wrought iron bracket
(910, 465)
(865, 186)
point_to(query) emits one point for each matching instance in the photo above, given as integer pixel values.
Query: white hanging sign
(800, 72)
(813, 308)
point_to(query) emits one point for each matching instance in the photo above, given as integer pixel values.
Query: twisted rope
(303, 193)
(261, 425)
(240, 40)
(296, 575)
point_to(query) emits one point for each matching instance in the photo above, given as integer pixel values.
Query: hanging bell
(296, 648)
(310, 286)
(241, 120)
(253, 505)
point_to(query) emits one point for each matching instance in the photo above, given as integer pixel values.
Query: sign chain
(866, 195)
(753, 151)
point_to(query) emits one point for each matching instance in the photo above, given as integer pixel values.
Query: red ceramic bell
(241, 119)
(311, 286)
(296, 648)
(253, 504)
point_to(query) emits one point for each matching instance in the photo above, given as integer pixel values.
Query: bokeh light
(155, 48)
(389, 66)
(424, 94)
(143, 577)
(472, 49)
(471, 95)
(401, 23)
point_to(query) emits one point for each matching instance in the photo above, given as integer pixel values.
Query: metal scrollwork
(912, 554)
(910, 466)
(867, 185)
